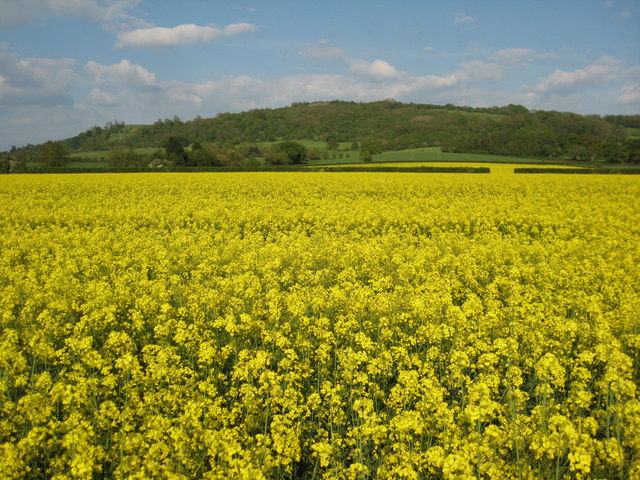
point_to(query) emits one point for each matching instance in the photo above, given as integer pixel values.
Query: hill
(389, 125)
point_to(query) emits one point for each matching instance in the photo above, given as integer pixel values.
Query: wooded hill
(392, 125)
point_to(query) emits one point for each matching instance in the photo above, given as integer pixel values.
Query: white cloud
(363, 81)
(179, 35)
(99, 97)
(35, 81)
(378, 69)
(460, 18)
(18, 12)
(630, 94)
(428, 49)
(322, 50)
(561, 82)
(125, 73)
(237, 28)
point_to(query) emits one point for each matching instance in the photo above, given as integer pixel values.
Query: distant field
(95, 155)
(310, 144)
(101, 154)
(433, 154)
(496, 168)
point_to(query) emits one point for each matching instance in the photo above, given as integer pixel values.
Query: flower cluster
(319, 325)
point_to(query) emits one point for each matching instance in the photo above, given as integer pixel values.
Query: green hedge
(628, 171)
(268, 168)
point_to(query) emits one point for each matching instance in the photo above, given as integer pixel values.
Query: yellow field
(319, 325)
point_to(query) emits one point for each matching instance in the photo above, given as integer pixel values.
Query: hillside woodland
(240, 138)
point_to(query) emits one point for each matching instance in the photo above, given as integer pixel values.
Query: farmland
(496, 168)
(344, 325)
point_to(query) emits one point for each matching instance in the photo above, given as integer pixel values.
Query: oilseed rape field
(319, 326)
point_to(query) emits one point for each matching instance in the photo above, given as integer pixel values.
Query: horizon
(68, 65)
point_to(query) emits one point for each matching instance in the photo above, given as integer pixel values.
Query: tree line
(176, 152)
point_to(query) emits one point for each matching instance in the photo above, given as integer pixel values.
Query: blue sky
(66, 65)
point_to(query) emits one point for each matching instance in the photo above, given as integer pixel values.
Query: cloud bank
(160, 37)
(60, 97)
(19, 12)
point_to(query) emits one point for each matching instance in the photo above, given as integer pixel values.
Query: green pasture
(96, 155)
(433, 154)
(633, 132)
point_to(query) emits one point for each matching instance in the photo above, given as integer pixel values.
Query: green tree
(122, 157)
(333, 144)
(296, 152)
(275, 157)
(175, 152)
(366, 156)
(53, 154)
(203, 157)
(373, 146)
(632, 147)
(612, 152)
(16, 162)
(580, 153)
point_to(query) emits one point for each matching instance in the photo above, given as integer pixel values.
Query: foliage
(203, 157)
(609, 170)
(121, 157)
(15, 162)
(632, 148)
(296, 152)
(53, 154)
(175, 152)
(319, 326)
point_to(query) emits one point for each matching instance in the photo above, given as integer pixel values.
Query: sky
(67, 65)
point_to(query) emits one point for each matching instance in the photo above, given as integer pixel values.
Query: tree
(612, 152)
(174, 149)
(18, 161)
(203, 157)
(332, 143)
(580, 153)
(372, 146)
(296, 152)
(53, 154)
(274, 157)
(366, 156)
(632, 146)
(121, 157)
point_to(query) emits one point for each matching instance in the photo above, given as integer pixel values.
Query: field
(496, 168)
(434, 154)
(319, 325)
(428, 154)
